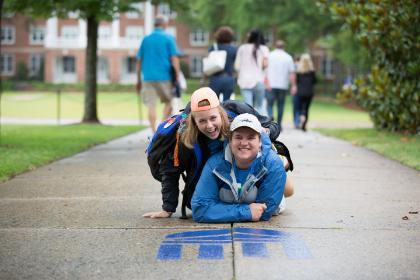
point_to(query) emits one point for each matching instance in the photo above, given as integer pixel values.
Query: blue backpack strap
(231, 114)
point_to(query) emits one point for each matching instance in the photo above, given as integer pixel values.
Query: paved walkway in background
(353, 216)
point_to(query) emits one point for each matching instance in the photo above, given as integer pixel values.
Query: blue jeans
(272, 96)
(296, 113)
(254, 96)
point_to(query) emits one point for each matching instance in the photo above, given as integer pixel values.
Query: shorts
(152, 90)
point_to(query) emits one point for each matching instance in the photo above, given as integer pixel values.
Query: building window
(69, 64)
(6, 64)
(165, 9)
(196, 65)
(268, 37)
(137, 12)
(36, 62)
(70, 32)
(171, 30)
(131, 65)
(327, 67)
(73, 15)
(134, 33)
(104, 32)
(36, 35)
(8, 35)
(199, 38)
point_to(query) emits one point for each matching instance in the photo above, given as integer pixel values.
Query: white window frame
(268, 37)
(35, 62)
(11, 32)
(134, 32)
(104, 32)
(73, 15)
(134, 62)
(171, 30)
(67, 67)
(70, 32)
(165, 9)
(196, 67)
(199, 38)
(10, 61)
(139, 13)
(36, 35)
(328, 67)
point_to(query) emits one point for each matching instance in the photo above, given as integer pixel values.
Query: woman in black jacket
(306, 80)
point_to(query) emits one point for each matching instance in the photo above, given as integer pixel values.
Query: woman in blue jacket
(245, 182)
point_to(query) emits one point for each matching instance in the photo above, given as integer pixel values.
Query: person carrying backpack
(243, 182)
(183, 143)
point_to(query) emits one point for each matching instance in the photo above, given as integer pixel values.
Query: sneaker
(281, 208)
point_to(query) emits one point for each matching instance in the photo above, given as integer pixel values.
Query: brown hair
(224, 35)
(190, 135)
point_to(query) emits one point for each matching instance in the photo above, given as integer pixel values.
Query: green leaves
(388, 29)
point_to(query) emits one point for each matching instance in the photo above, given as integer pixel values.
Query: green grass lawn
(122, 106)
(400, 147)
(24, 147)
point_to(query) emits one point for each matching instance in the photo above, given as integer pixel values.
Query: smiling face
(209, 122)
(245, 144)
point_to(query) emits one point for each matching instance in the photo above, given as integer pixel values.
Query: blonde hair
(305, 64)
(190, 135)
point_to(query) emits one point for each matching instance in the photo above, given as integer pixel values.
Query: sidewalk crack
(233, 252)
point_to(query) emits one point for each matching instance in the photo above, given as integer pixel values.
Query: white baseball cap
(246, 120)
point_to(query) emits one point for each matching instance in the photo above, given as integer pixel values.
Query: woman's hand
(160, 214)
(257, 209)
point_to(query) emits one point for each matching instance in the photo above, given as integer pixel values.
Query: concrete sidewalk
(353, 216)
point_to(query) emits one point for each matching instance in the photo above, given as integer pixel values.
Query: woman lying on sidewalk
(206, 129)
(244, 182)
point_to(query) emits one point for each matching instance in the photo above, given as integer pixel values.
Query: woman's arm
(170, 189)
(208, 208)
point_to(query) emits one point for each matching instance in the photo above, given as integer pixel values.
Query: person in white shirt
(251, 60)
(280, 74)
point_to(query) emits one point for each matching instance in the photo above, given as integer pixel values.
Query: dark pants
(296, 112)
(303, 103)
(276, 95)
(222, 84)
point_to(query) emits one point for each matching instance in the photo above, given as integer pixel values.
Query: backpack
(163, 142)
(167, 135)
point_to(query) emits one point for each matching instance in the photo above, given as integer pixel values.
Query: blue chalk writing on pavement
(253, 242)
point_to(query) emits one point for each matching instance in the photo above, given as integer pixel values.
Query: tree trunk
(91, 112)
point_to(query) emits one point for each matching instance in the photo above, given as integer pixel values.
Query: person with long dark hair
(251, 60)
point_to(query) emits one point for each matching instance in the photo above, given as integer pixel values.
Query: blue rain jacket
(215, 199)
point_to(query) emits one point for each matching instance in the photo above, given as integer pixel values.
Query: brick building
(54, 49)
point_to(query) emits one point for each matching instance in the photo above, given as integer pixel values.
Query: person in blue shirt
(156, 56)
(244, 182)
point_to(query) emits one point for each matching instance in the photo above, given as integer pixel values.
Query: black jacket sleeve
(170, 184)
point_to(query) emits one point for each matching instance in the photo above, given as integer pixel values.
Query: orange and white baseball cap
(204, 99)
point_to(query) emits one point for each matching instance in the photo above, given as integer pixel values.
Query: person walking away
(306, 80)
(251, 60)
(280, 74)
(295, 111)
(223, 83)
(157, 53)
